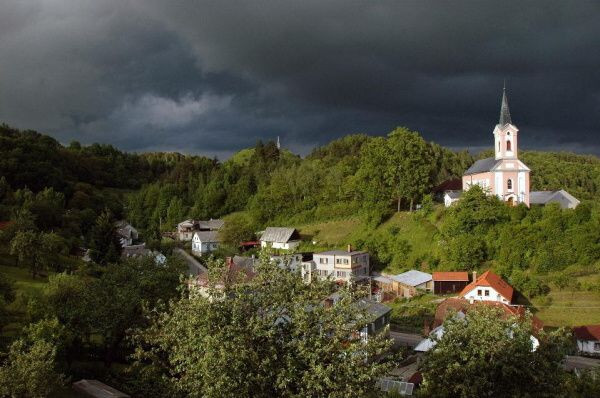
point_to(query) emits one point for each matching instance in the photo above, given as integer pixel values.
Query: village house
(451, 197)
(378, 313)
(186, 229)
(449, 282)
(137, 251)
(127, 234)
(407, 284)
(204, 242)
(340, 265)
(488, 287)
(280, 238)
(458, 307)
(588, 339)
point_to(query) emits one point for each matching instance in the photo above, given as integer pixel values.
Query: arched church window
(498, 146)
(508, 146)
(509, 184)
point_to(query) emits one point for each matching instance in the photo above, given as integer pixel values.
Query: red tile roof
(588, 332)
(460, 304)
(490, 279)
(451, 276)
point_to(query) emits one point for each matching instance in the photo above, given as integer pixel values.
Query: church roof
(504, 111)
(482, 166)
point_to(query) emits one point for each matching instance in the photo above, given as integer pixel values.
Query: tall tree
(489, 355)
(105, 246)
(409, 166)
(280, 340)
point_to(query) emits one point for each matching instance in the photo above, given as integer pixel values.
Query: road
(195, 268)
(406, 339)
(575, 362)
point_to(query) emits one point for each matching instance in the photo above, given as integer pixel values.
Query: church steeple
(504, 112)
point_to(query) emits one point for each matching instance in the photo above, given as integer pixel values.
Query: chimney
(474, 276)
(349, 248)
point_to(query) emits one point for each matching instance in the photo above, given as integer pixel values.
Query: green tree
(280, 340)
(29, 370)
(237, 228)
(104, 243)
(489, 355)
(409, 165)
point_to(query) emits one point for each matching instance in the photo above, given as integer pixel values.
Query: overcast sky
(214, 77)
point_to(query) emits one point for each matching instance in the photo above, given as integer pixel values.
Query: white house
(280, 238)
(588, 339)
(338, 264)
(127, 234)
(205, 242)
(488, 287)
(451, 197)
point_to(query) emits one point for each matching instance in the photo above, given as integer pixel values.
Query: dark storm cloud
(212, 77)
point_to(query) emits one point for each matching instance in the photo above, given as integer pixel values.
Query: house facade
(503, 175)
(588, 339)
(280, 238)
(488, 287)
(204, 242)
(339, 265)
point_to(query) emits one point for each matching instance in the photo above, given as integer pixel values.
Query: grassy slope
(338, 234)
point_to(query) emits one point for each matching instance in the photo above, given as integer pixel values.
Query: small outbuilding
(449, 282)
(562, 197)
(405, 285)
(280, 238)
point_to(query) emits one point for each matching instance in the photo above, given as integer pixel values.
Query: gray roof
(278, 234)
(242, 261)
(340, 253)
(412, 277)
(562, 197)
(212, 225)
(454, 194)
(374, 308)
(208, 236)
(504, 112)
(482, 165)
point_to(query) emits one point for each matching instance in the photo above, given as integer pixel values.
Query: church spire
(504, 112)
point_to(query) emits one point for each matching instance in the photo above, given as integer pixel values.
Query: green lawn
(569, 308)
(22, 279)
(331, 233)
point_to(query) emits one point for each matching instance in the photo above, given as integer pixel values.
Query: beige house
(339, 265)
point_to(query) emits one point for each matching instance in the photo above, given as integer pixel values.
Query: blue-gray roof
(482, 166)
(412, 277)
(562, 197)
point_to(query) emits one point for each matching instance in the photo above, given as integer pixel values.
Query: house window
(345, 261)
(508, 146)
(487, 292)
(498, 146)
(596, 346)
(479, 292)
(323, 260)
(509, 184)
